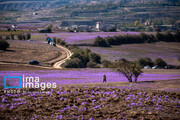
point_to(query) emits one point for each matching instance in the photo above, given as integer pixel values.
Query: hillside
(118, 13)
(24, 51)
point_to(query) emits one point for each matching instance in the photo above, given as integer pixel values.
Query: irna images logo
(27, 82)
(12, 77)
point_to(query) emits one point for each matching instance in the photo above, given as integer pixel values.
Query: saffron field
(90, 103)
(167, 51)
(86, 76)
(79, 37)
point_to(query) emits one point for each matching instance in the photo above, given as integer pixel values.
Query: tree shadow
(146, 81)
(10, 51)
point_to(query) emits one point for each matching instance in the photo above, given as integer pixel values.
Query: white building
(97, 26)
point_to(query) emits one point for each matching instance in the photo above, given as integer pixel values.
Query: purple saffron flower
(97, 106)
(59, 117)
(4, 100)
(12, 107)
(7, 105)
(132, 104)
(83, 109)
(94, 100)
(83, 103)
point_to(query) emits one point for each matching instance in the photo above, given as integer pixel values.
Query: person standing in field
(104, 78)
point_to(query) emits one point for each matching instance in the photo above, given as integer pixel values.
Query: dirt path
(68, 55)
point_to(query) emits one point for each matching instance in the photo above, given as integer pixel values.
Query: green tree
(129, 69)
(54, 40)
(177, 36)
(3, 45)
(160, 62)
(62, 42)
(49, 29)
(99, 41)
(12, 36)
(23, 37)
(7, 38)
(94, 57)
(92, 64)
(169, 37)
(1, 38)
(136, 23)
(74, 63)
(28, 36)
(8, 29)
(145, 61)
(106, 64)
(149, 29)
(20, 36)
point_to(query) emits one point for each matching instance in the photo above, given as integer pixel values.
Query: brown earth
(24, 51)
(90, 102)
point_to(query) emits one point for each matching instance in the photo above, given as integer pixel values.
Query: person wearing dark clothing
(104, 78)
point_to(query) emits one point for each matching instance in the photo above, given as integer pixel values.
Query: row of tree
(82, 59)
(132, 39)
(133, 69)
(146, 61)
(19, 37)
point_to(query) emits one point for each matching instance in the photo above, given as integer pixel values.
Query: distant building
(97, 26)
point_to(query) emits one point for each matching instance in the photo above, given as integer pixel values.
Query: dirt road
(68, 55)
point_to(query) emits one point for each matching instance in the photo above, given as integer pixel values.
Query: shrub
(1, 38)
(92, 64)
(106, 64)
(7, 38)
(149, 29)
(168, 37)
(99, 41)
(88, 59)
(58, 41)
(28, 36)
(160, 62)
(112, 30)
(177, 36)
(81, 56)
(54, 40)
(23, 37)
(94, 57)
(8, 29)
(20, 36)
(62, 42)
(145, 61)
(74, 63)
(12, 36)
(3, 45)
(49, 30)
